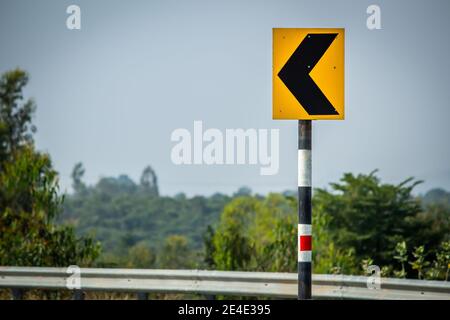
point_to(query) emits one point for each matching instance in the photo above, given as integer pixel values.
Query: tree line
(357, 221)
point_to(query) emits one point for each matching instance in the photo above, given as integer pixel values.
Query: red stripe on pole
(305, 243)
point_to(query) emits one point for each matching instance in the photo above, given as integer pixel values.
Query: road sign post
(304, 209)
(308, 84)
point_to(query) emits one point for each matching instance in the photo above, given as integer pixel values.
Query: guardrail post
(17, 293)
(142, 296)
(78, 295)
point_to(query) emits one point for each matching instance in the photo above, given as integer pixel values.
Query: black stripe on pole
(304, 280)
(304, 205)
(304, 134)
(304, 210)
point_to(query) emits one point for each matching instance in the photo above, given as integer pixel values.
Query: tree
(402, 258)
(279, 255)
(175, 253)
(77, 176)
(233, 245)
(251, 230)
(29, 200)
(141, 256)
(16, 128)
(442, 262)
(419, 263)
(437, 196)
(243, 192)
(209, 247)
(435, 217)
(369, 216)
(113, 186)
(149, 181)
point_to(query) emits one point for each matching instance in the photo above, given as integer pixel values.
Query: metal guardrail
(255, 284)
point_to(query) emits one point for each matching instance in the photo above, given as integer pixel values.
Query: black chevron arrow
(295, 73)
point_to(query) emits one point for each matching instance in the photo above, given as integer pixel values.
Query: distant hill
(120, 213)
(437, 196)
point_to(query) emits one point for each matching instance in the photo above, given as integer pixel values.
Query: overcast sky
(111, 94)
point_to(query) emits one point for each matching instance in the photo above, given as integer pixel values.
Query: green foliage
(29, 200)
(77, 176)
(369, 216)
(149, 181)
(386, 271)
(209, 249)
(327, 256)
(419, 263)
(279, 255)
(233, 246)
(249, 231)
(243, 192)
(333, 260)
(121, 213)
(361, 223)
(365, 264)
(442, 262)
(175, 253)
(16, 128)
(435, 218)
(402, 257)
(431, 269)
(141, 255)
(29, 203)
(436, 197)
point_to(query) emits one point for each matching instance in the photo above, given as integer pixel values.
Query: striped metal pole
(304, 209)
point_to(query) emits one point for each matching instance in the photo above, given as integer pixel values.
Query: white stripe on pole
(304, 168)
(304, 230)
(304, 256)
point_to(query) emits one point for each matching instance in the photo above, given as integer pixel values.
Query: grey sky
(110, 94)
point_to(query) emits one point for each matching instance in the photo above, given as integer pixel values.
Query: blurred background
(86, 117)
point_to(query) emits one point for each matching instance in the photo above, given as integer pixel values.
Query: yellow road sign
(308, 74)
